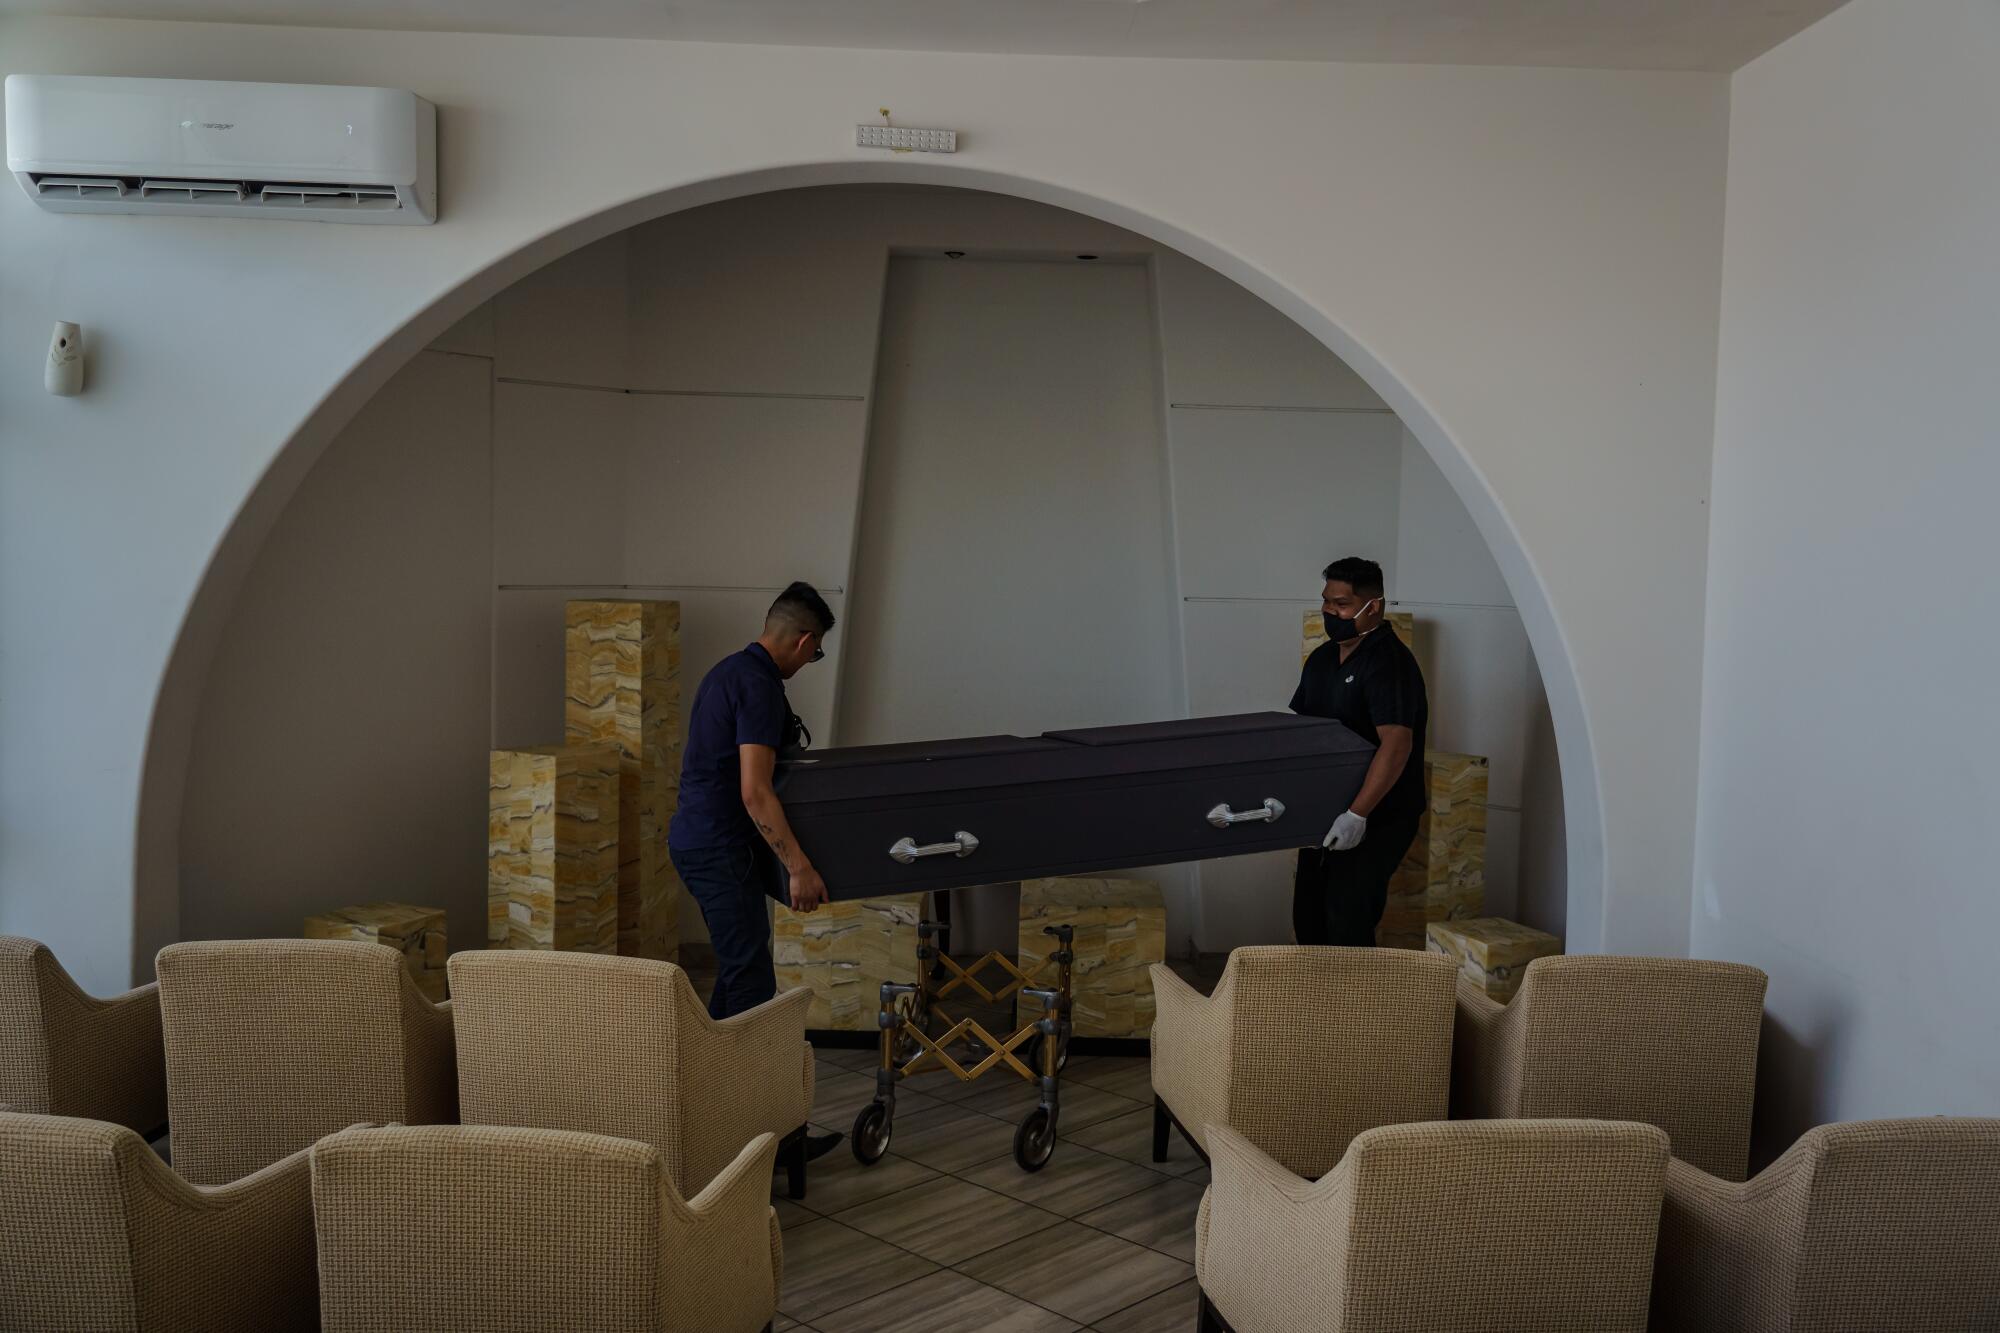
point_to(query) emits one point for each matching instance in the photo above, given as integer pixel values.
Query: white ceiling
(1623, 34)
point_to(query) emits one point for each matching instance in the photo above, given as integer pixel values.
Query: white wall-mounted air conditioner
(242, 150)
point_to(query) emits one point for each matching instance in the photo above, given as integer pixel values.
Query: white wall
(340, 757)
(1847, 781)
(1012, 573)
(1531, 237)
(1010, 541)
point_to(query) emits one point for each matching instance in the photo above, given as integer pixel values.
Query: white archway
(162, 784)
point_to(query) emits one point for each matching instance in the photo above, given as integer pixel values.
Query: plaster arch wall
(1529, 233)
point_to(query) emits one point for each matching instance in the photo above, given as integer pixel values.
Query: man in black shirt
(1367, 679)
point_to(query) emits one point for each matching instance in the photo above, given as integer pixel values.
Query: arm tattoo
(777, 843)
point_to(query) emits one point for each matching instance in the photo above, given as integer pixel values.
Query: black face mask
(1339, 628)
(796, 735)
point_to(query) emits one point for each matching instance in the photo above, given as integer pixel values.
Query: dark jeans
(730, 884)
(1338, 897)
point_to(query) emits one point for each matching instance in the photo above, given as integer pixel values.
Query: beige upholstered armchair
(1301, 1048)
(1533, 1226)
(63, 1052)
(505, 1230)
(1666, 1041)
(96, 1232)
(273, 1043)
(624, 1046)
(1880, 1226)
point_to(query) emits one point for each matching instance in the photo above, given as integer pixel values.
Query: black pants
(1338, 897)
(731, 885)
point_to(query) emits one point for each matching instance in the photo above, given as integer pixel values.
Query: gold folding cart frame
(908, 1046)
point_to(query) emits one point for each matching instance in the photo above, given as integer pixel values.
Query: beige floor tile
(790, 1214)
(837, 1181)
(847, 1059)
(951, 1138)
(1076, 1180)
(1172, 1311)
(1080, 1103)
(1127, 1076)
(1077, 1272)
(1130, 1136)
(1161, 1218)
(829, 1266)
(949, 1221)
(944, 1301)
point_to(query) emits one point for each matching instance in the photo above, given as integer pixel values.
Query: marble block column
(1443, 877)
(843, 952)
(552, 849)
(622, 687)
(1492, 952)
(417, 933)
(1121, 931)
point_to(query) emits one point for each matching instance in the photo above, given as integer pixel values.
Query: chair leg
(1162, 1127)
(794, 1152)
(1207, 1318)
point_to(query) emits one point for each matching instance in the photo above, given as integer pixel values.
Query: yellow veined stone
(552, 821)
(843, 952)
(1120, 932)
(1443, 876)
(415, 932)
(1492, 951)
(621, 686)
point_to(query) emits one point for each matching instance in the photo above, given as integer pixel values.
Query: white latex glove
(1346, 833)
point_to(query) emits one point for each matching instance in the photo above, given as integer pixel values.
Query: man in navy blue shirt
(729, 838)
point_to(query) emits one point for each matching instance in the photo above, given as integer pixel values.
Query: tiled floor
(946, 1232)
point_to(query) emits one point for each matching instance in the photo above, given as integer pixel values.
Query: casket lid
(969, 763)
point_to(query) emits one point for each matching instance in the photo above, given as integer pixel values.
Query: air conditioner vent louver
(193, 192)
(249, 194)
(80, 187)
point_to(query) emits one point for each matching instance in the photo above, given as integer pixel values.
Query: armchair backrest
(1670, 1042)
(1328, 1042)
(272, 1044)
(1900, 1226)
(24, 1046)
(64, 1052)
(97, 1232)
(571, 1041)
(65, 1249)
(1532, 1226)
(499, 1229)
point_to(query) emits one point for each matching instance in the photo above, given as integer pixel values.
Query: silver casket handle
(907, 850)
(1222, 816)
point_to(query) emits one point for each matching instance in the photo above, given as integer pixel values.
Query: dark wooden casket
(888, 819)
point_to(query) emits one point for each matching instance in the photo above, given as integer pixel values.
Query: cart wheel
(871, 1133)
(1035, 1140)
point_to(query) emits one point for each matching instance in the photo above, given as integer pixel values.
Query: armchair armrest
(1269, 1253)
(1191, 1040)
(241, 1253)
(720, 1261)
(430, 1051)
(747, 1073)
(1724, 1247)
(113, 1063)
(1485, 1056)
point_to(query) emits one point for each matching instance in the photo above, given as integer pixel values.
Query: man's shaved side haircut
(799, 610)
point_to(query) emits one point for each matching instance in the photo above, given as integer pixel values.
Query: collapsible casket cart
(1067, 802)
